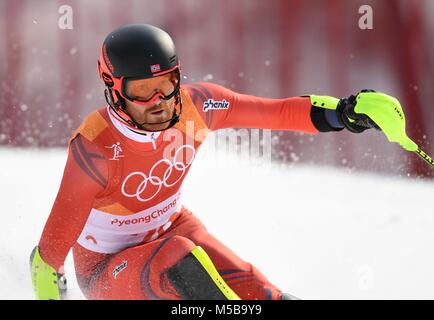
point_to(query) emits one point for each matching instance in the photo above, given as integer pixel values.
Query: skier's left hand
(370, 109)
(353, 121)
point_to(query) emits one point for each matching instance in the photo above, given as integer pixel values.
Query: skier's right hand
(47, 283)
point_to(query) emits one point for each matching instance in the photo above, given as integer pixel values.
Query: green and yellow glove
(365, 110)
(47, 283)
(370, 109)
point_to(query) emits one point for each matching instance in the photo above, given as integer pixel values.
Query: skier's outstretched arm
(84, 177)
(224, 108)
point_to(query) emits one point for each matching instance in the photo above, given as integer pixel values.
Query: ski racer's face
(160, 111)
(152, 92)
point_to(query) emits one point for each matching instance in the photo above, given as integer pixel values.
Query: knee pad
(194, 277)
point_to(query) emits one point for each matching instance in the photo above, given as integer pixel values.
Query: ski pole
(424, 156)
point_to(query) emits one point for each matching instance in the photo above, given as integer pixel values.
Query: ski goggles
(146, 91)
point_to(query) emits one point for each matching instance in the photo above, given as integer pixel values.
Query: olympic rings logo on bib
(152, 180)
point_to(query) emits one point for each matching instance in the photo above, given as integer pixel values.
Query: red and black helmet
(132, 52)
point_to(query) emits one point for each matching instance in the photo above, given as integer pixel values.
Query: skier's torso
(118, 192)
(142, 197)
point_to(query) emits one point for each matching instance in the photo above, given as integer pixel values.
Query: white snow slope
(315, 232)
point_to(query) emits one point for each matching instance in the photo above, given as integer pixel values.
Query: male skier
(119, 203)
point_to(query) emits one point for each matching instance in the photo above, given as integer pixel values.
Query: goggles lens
(146, 89)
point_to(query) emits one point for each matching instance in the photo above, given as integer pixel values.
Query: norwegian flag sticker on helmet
(155, 68)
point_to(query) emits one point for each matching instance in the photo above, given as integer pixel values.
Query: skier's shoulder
(209, 96)
(206, 90)
(92, 125)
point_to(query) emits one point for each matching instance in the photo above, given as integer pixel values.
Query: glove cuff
(323, 113)
(321, 120)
